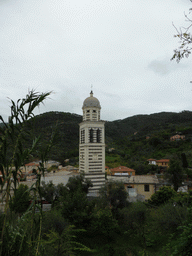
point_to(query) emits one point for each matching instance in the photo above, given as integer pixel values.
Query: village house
(70, 168)
(177, 137)
(33, 166)
(139, 187)
(152, 161)
(51, 163)
(30, 167)
(122, 171)
(161, 162)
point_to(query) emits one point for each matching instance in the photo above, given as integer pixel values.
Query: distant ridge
(117, 132)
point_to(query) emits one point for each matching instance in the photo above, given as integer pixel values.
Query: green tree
(103, 222)
(58, 237)
(133, 222)
(184, 160)
(183, 245)
(21, 200)
(51, 192)
(104, 227)
(134, 216)
(78, 182)
(48, 191)
(114, 195)
(63, 244)
(74, 204)
(175, 173)
(162, 196)
(170, 216)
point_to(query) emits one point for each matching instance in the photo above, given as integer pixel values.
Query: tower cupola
(91, 108)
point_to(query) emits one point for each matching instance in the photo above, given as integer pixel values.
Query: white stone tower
(92, 144)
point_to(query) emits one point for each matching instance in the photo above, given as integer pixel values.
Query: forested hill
(123, 135)
(148, 124)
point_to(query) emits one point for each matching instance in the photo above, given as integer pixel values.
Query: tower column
(92, 144)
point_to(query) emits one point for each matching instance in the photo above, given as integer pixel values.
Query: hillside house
(139, 187)
(177, 137)
(30, 167)
(51, 163)
(162, 162)
(152, 161)
(122, 171)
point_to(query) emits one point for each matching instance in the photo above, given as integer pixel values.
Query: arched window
(91, 135)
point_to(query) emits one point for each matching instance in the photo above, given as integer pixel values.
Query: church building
(92, 144)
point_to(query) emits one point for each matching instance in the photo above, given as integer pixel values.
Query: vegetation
(175, 173)
(12, 156)
(185, 37)
(134, 139)
(19, 203)
(21, 224)
(77, 224)
(162, 196)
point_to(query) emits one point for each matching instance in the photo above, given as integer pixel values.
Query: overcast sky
(120, 47)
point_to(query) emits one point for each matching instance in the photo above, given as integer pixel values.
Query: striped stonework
(92, 145)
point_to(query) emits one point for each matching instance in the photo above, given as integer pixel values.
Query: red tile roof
(122, 169)
(163, 161)
(32, 164)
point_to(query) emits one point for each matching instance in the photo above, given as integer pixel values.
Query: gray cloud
(165, 66)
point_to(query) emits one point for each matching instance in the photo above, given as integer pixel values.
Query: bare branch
(184, 50)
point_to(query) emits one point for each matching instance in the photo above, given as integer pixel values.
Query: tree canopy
(162, 196)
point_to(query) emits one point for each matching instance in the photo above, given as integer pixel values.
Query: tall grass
(20, 236)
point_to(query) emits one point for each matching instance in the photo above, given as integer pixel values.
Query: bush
(20, 202)
(162, 196)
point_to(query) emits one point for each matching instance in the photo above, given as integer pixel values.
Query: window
(146, 188)
(98, 135)
(82, 136)
(87, 111)
(94, 111)
(91, 135)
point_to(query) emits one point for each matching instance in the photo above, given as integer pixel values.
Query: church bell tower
(92, 144)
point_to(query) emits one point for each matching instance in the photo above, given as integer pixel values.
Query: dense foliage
(77, 224)
(134, 139)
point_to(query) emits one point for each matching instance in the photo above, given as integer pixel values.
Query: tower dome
(91, 108)
(91, 101)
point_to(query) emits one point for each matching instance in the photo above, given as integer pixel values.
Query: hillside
(127, 136)
(141, 137)
(147, 124)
